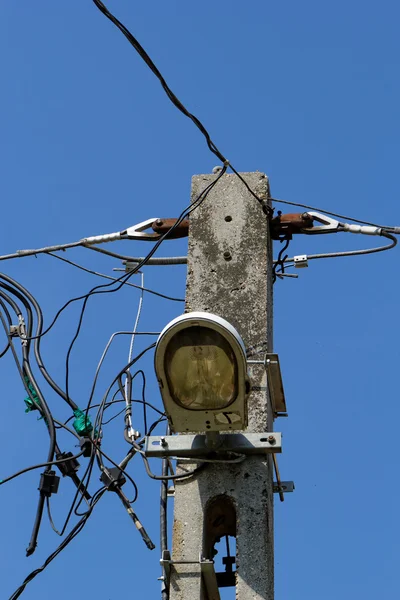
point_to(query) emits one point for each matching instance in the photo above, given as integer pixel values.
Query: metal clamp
(138, 232)
(328, 225)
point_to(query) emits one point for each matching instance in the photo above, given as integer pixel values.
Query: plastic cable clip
(113, 478)
(300, 261)
(70, 466)
(49, 482)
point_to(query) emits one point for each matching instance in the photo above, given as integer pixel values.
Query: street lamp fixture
(200, 363)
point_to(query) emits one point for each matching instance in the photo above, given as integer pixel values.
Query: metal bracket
(283, 487)
(14, 330)
(196, 446)
(210, 579)
(207, 571)
(300, 261)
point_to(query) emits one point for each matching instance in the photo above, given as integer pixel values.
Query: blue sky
(306, 92)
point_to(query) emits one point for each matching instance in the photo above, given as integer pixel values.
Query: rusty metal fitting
(163, 225)
(271, 439)
(289, 224)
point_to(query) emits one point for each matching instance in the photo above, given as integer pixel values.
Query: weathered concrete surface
(240, 290)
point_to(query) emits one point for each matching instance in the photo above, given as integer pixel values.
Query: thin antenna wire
(127, 387)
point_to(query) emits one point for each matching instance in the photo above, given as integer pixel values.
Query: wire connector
(70, 466)
(86, 445)
(112, 478)
(49, 483)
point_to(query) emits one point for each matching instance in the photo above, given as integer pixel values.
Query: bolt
(271, 439)
(163, 442)
(227, 255)
(159, 222)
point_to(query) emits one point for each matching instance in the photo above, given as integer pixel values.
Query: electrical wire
(121, 280)
(162, 260)
(22, 253)
(190, 473)
(44, 409)
(352, 252)
(128, 379)
(73, 533)
(280, 262)
(97, 289)
(138, 287)
(9, 321)
(101, 453)
(146, 58)
(143, 54)
(389, 228)
(101, 361)
(39, 466)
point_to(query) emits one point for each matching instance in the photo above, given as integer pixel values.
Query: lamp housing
(200, 363)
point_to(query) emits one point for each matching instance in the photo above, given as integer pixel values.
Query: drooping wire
(39, 466)
(122, 280)
(30, 384)
(389, 236)
(143, 54)
(138, 287)
(280, 262)
(146, 58)
(73, 533)
(29, 300)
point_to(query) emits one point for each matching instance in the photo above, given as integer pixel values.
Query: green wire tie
(82, 423)
(32, 403)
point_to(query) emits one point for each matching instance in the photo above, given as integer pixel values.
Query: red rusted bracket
(287, 225)
(164, 225)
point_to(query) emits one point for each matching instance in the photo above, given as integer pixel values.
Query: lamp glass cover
(201, 369)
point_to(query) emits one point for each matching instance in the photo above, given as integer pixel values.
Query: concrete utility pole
(229, 274)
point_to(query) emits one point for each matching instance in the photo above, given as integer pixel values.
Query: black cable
(17, 310)
(121, 280)
(101, 453)
(73, 533)
(143, 54)
(97, 289)
(138, 287)
(43, 407)
(39, 466)
(267, 210)
(8, 317)
(23, 294)
(121, 373)
(114, 416)
(190, 473)
(281, 259)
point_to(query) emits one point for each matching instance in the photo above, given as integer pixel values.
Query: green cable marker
(82, 423)
(32, 403)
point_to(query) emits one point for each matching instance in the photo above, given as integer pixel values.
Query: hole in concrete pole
(228, 218)
(219, 542)
(225, 566)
